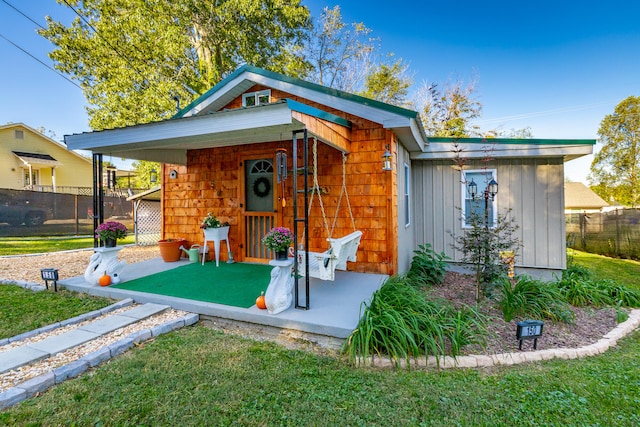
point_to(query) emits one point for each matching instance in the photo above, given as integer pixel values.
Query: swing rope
(343, 192)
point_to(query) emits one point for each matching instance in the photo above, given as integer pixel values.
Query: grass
(623, 271)
(22, 310)
(198, 376)
(35, 245)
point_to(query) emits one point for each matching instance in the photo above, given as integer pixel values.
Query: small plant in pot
(278, 240)
(211, 221)
(109, 232)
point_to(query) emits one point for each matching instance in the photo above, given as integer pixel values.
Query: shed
(147, 216)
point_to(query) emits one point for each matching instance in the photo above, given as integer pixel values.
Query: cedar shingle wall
(212, 178)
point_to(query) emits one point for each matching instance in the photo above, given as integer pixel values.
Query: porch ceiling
(168, 141)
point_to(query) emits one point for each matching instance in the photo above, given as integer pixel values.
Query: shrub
(427, 266)
(481, 245)
(401, 323)
(533, 298)
(620, 295)
(580, 289)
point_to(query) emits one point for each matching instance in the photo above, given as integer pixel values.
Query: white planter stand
(215, 235)
(279, 295)
(104, 261)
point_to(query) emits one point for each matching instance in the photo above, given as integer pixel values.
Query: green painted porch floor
(237, 284)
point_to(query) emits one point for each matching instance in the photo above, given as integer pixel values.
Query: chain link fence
(615, 233)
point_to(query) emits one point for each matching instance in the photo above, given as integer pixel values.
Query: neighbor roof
(579, 196)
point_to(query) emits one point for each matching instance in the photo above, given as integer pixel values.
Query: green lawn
(623, 271)
(197, 376)
(35, 245)
(23, 310)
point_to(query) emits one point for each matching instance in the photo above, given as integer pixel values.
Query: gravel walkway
(68, 263)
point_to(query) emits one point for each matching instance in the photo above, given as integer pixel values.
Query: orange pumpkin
(260, 303)
(104, 280)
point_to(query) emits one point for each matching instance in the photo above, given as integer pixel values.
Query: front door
(259, 213)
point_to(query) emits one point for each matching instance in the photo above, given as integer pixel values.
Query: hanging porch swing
(322, 265)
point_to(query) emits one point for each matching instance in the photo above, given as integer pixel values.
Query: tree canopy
(132, 57)
(616, 166)
(448, 112)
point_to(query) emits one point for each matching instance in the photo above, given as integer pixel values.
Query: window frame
(407, 195)
(256, 97)
(482, 184)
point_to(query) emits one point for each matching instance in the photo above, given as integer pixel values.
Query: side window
(256, 98)
(478, 207)
(407, 195)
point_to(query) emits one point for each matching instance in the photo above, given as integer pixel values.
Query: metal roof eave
(519, 149)
(168, 141)
(406, 123)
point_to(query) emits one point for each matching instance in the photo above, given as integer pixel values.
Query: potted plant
(278, 240)
(214, 229)
(109, 232)
(170, 249)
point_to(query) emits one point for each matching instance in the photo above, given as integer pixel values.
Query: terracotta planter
(170, 249)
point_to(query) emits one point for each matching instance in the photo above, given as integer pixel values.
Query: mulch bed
(589, 326)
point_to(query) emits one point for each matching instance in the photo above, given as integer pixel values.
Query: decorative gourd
(260, 302)
(104, 280)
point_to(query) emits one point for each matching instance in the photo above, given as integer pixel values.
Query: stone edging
(73, 321)
(41, 383)
(504, 359)
(24, 284)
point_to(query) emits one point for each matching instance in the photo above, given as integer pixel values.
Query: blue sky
(557, 67)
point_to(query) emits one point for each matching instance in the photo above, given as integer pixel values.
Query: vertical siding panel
(557, 240)
(451, 213)
(541, 209)
(438, 206)
(512, 176)
(528, 222)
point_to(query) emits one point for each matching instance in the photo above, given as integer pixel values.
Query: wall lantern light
(153, 176)
(386, 160)
(50, 274)
(529, 330)
(489, 193)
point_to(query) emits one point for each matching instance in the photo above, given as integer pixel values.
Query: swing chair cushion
(322, 265)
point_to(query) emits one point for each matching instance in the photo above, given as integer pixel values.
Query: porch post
(98, 196)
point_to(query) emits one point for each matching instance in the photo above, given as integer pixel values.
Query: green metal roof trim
(517, 141)
(302, 83)
(315, 112)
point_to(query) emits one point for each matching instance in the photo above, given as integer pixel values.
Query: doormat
(237, 284)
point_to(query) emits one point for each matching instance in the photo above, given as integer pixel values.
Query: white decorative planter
(215, 235)
(220, 233)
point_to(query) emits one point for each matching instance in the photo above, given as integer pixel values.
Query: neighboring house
(578, 198)
(219, 156)
(30, 160)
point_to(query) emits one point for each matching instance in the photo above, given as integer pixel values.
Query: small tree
(481, 246)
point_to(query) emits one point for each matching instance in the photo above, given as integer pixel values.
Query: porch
(333, 314)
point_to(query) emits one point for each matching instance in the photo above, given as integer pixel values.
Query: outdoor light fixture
(489, 193)
(472, 189)
(529, 330)
(50, 274)
(386, 160)
(153, 176)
